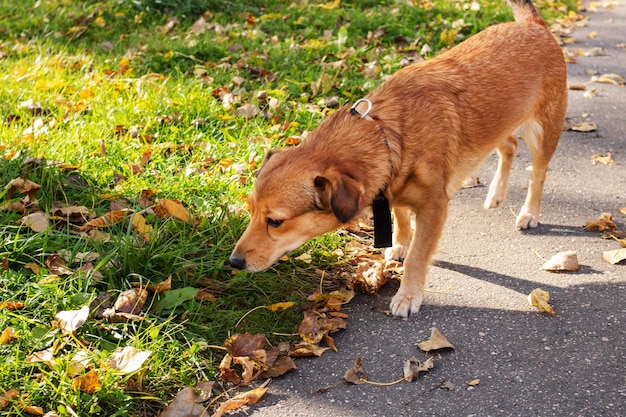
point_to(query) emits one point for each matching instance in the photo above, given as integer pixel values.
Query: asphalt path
(527, 363)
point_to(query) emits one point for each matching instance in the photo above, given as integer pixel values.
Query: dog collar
(380, 205)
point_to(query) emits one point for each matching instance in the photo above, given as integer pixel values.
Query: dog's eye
(273, 222)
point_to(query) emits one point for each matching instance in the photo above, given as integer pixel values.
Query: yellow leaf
(100, 22)
(447, 37)
(168, 206)
(474, 382)
(540, 298)
(32, 266)
(7, 336)
(88, 383)
(143, 228)
(281, 306)
(330, 5)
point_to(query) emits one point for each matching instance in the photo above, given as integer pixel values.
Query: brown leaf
(356, 375)
(109, 219)
(540, 298)
(435, 342)
(281, 366)
(89, 382)
(369, 277)
(11, 305)
(185, 405)
(244, 344)
(248, 366)
(56, 265)
(604, 222)
(413, 367)
(25, 187)
(306, 349)
(227, 372)
(238, 401)
(131, 301)
(77, 215)
(37, 221)
(7, 397)
(248, 110)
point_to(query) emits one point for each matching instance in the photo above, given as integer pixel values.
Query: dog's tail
(524, 10)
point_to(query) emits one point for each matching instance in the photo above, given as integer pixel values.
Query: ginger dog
(415, 139)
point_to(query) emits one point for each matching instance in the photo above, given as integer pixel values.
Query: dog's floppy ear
(341, 193)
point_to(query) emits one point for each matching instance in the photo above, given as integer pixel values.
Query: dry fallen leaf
(562, 262)
(69, 321)
(7, 336)
(109, 219)
(605, 159)
(614, 256)
(281, 366)
(89, 382)
(7, 397)
(474, 382)
(184, 405)
(356, 375)
(435, 342)
(160, 287)
(11, 305)
(540, 298)
(131, 301)
(238, 401)
(37, 221)
(46, 356)
(306, 349)
(604, 222)
(166, 207)
(244, 344)
(56, 265)
(144, 229)
(614, 79)
(584, 127)
(128, 359)
(369, 277)
(413, 367)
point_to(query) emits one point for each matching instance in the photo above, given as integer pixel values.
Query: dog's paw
(492, 201)
(397, 252)
(403, 305)
(526, 221)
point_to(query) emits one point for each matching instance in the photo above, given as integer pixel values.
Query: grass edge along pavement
(120, 107)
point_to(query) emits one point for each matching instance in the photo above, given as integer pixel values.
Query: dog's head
(297, 196)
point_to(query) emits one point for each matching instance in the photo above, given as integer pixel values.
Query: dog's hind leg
(402, 234)
(429, 224)
(542, 142)
(500, 183)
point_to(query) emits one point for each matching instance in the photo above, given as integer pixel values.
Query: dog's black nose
(237, 262)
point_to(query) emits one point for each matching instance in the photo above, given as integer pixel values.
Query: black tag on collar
(382, 222)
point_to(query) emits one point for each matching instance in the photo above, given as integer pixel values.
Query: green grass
(92, 87)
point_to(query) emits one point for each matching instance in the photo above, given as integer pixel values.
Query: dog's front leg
(402, 234)
(429, 224)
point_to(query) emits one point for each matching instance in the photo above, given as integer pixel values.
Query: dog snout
(237, 262)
